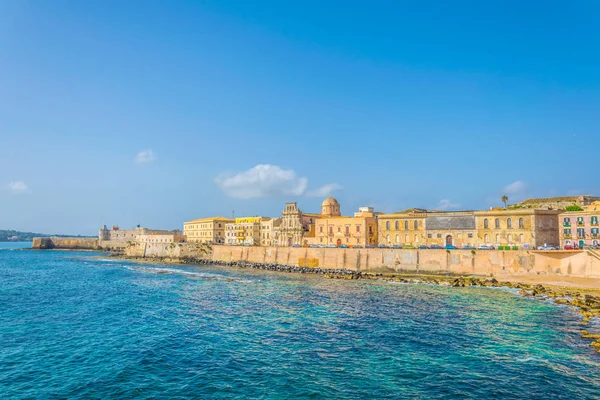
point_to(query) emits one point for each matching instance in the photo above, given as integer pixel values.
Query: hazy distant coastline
(9, 235)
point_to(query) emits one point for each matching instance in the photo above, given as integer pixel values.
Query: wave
(173, 271)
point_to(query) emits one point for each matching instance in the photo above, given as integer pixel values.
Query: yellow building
(332, 229)
(517, 227)
(403, 228)
(206, 230)
(247, 230)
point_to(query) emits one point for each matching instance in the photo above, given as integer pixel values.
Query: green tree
(505, 200)
(574, 207)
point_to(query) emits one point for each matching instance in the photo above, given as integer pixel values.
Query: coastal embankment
(65, 243)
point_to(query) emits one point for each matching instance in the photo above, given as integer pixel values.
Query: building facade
(337, 230)
(125, 235)
(454, 228)
(161, 238)
(525, 228)
(580, 228)
(206, 230)
(296, 228)
(269, 232)
(245, 230)
(404, 228)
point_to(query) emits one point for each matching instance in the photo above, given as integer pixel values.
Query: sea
(82, 325)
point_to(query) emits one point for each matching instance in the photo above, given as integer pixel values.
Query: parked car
(468, 247)
(546, 247)
(450, 247)
(343, 246)
(569, 247)
(422, 247)
(331, 246)
(485, 247)
(435, 246)
(382, 246)
(396, 246)
(296, 245)
(357, 247)
(369, 246)
(409, 246)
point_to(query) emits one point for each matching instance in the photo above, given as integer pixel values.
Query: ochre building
(206, 230)
(333, 229)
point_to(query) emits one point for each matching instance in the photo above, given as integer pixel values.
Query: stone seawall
(484, 262)
(65, 243)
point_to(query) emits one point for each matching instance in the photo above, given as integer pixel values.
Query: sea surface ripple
(78, 326)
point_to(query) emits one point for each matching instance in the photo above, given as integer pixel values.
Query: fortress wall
(484, 262)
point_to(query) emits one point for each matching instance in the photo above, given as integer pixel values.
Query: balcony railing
(567, 236)
(566, 224)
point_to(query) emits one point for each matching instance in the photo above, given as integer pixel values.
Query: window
(521, 223)
(509, 238)
(397, 225)
(567, 231)
(595, 231)
(416, 239)
(429, 235)
(439, 235)
(397, 239)
(594, 220)
(370, 229)
(387, 225)
(486, 238)
(486, 223)
(497, 238)
(416, 225)
(509, 224)
(497, 222)
(347, 229)
(387, 238)
(331, 230)
(357, 228)
(321, 228)
(470, 235)
(405, 238)
(405, 224)
(581, 232)
(579, 220)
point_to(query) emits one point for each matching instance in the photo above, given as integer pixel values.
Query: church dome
(330, 201)
(330, 207)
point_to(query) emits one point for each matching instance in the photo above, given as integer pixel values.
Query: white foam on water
(174, 271)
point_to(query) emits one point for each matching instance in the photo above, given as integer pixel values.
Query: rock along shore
(586, 304)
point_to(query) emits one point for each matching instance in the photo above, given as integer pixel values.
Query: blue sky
(157, 112)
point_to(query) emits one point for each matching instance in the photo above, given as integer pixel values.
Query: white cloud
(324, 190)
(261, 181)
(446, 204)
(516, 188)
(18, 187)
(145, 157)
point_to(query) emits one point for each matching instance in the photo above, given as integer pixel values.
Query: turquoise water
(76, 326)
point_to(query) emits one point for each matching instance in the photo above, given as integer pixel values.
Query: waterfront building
(338, 230)
(248, 229)
(298, 228)
(206, 230)
(555, 203)
(230, 235)
(269, 232)
(580, 228)
(528, 228)
(161, 238)
(402, 228)
(115, 234)
(450, 228)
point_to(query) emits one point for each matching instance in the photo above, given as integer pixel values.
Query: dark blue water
(75, 326)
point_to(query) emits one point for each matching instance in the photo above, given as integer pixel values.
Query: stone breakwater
(587, 305)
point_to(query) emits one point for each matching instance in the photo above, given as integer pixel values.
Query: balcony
(567, 224)
(567, 236)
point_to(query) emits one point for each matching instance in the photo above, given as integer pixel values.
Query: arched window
(387, 238)
(387, 225)
(486, 238)
(509, 238)
(416, 238)
(405, 224)
(521, 238)
(486, 223)
(521, 223)
(397, 237)
(416, 224)
(509, 224)
(497, 223)
(397, 225)
(497, 238)
(405, 238)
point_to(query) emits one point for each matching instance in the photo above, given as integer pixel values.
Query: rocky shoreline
(587, 305)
